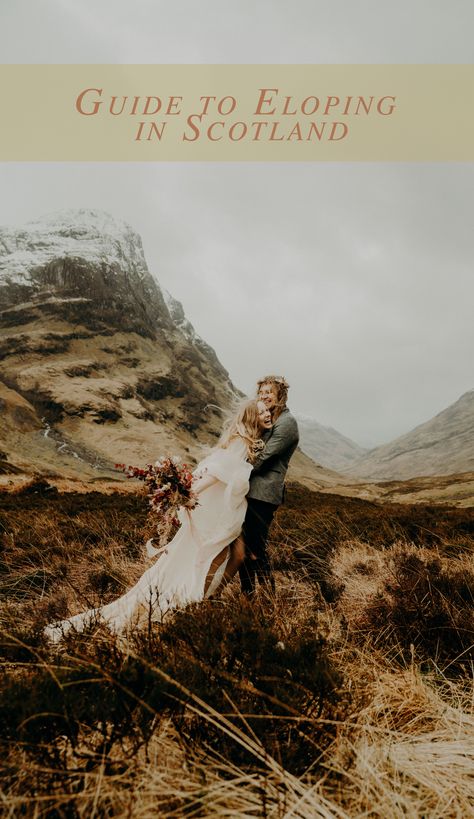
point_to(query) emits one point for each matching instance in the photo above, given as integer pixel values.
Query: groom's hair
(281, 388)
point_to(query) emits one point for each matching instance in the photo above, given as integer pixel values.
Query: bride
(206, 551)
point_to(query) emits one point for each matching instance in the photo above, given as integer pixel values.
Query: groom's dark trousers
(266, 486)
(255, 532)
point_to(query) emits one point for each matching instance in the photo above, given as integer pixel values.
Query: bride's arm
(203, 482)
(227, 466)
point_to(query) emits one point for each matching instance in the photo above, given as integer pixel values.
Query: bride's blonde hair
(244, 424)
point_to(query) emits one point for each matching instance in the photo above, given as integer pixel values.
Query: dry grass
(408, 751)
(409, 600)
(413, 749)
(204, 730)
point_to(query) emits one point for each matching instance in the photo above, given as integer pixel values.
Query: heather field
(349, 693)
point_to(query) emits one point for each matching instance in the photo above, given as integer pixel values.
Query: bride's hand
(203, 483)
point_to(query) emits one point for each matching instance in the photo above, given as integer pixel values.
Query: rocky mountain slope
(444, 445)
(326, 445)
(97, 364)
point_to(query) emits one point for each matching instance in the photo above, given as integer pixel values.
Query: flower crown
(274, 379)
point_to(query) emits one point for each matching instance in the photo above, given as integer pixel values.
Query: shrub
(428, 603)
(409, 599)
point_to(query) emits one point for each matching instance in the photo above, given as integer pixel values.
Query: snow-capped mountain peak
(85, 233)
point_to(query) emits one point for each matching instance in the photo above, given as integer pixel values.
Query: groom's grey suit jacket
(267, 478)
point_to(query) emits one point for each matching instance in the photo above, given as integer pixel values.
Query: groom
(267, 483)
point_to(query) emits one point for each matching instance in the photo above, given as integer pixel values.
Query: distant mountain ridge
(326, 445)
(444, 445)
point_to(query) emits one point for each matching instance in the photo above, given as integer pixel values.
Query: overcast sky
(354, 280)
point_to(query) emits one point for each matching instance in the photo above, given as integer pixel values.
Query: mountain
(443, 445)
(97, 363)
(326, 445)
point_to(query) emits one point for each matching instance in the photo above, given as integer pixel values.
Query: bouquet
(168, 485)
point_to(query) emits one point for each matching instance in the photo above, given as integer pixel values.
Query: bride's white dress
(178, 576)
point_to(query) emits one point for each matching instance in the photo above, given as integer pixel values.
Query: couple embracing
(240, 485)
(266, 481)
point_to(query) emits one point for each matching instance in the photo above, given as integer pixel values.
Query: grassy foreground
(347, 694)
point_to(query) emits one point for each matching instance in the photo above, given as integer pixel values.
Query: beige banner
(219, 113)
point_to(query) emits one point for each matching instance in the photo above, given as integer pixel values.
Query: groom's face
(267, 394)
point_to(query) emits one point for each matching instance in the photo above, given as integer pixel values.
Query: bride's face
(264, 416)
